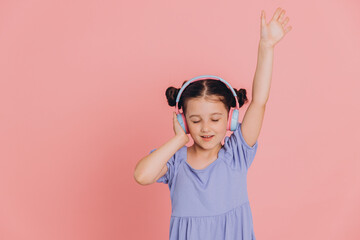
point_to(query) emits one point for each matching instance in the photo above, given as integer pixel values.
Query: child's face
(206, 117)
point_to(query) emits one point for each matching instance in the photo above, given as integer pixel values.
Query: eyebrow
(199, 115)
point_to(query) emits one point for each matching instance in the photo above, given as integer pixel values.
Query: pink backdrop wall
(82, 100)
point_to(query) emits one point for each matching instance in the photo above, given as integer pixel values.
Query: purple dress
(211, 203)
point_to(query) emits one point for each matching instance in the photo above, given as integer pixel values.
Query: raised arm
(270, 35)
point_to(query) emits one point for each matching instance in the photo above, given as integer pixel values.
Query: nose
(204, 127)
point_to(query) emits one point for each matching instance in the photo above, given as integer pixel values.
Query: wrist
(183, 138)
(266, 45)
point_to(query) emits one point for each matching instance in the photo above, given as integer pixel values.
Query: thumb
(175, 120)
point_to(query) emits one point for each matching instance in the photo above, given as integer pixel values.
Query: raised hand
(276, 29)
(178, 129)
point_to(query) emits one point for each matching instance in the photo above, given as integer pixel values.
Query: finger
(281, 15)
(285, 21)
(288, 29)
(263, 21)
(276, 14)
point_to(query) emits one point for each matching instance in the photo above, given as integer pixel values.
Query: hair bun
(241, 96)
(171, 94)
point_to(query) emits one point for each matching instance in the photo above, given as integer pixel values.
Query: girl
(207, 181)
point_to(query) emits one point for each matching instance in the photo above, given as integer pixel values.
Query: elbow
(137, 178)
(140, 180)
(140, 177)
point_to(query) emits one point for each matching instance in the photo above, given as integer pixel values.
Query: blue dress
(211, 203)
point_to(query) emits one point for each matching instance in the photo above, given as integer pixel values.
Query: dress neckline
(220, 154)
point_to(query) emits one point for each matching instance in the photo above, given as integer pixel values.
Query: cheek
(192, 127)
(223, 128)
(223, 123)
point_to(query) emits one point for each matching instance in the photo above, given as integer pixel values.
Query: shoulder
(171, 167)
(237, 152)
(237, 139)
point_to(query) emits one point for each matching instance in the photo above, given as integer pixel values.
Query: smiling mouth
(207, 137)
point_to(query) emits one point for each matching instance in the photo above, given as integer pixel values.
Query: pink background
(82, 100)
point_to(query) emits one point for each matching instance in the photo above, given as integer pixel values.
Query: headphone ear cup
(234, 119)
(181, 119)
(228, 125)
(185, 124)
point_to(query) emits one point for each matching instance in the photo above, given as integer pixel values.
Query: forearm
(262, 78)
(150, 165)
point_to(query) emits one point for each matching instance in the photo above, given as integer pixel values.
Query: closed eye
(213, 121)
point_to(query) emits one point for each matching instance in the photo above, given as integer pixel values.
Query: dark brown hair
(203, 88)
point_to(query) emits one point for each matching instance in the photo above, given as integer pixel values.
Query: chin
(208, 145)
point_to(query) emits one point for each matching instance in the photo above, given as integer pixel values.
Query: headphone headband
(200, 78)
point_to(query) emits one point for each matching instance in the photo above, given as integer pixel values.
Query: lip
(207, 139)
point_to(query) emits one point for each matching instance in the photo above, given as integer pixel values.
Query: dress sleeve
(172, 165)
(242, 154)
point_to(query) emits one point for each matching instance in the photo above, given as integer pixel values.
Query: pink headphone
(233, 113)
